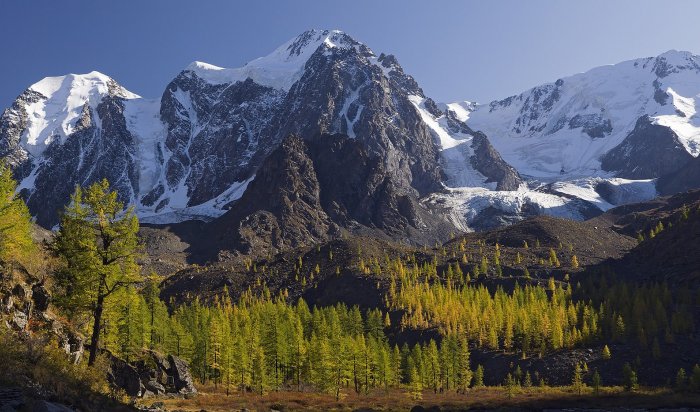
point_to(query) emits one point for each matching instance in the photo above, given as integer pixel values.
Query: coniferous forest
(438, 306)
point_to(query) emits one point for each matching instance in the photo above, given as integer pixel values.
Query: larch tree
(97, 241)
(577, 380)
(415, 384)
(479, 377)
(16, 244)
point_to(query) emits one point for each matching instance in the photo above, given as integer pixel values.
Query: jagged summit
(284, 66)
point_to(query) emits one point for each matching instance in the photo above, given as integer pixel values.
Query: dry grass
(214, 400)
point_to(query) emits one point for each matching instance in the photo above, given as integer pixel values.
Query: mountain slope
(562, 129)
(54, 138)
(296, 200)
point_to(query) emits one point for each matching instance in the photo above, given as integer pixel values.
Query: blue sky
(457, 50)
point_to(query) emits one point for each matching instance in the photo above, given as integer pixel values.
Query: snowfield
(561, 129)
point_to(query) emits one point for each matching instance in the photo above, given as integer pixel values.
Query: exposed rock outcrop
(489, 163)
(312, 190)
(151, 375)
(648, 152)
(683, 179)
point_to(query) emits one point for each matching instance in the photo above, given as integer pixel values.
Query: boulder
(155, 387)
(125, 376)
(180, 371)
(153, 374)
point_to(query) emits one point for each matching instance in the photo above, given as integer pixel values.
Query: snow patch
(461, 110)
(143, 121)
(206, 211)
(455, 150)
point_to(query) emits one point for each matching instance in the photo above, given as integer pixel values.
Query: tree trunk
(153, 332)
(354, 374)
(95, 339)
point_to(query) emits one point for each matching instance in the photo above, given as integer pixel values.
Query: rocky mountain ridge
(572, 148)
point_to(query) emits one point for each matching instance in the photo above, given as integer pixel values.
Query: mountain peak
(197, 65)
(62, 104)
(677, 55)
(310, 40)
(82, 84)
(674, 61)
(281, 68)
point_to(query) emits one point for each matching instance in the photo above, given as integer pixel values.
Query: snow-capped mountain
(587, 142)
(595, 123)
(193, 152)
(570, 148)
(68, 130)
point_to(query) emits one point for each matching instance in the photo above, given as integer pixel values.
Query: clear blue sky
(474, 50)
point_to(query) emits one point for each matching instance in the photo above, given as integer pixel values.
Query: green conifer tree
(629, 378)
(479, 377)
(98, 242)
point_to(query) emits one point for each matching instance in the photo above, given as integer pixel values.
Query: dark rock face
(662, 67)
(12, 124)
(594, 125)
(403, 81)
(490, 164)
(311, 190)
(660, 96)
(535, 104)
(341, 91)
(214, 134)
(685, 178)
(41, 297)
(281, 207)
(649, 151)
